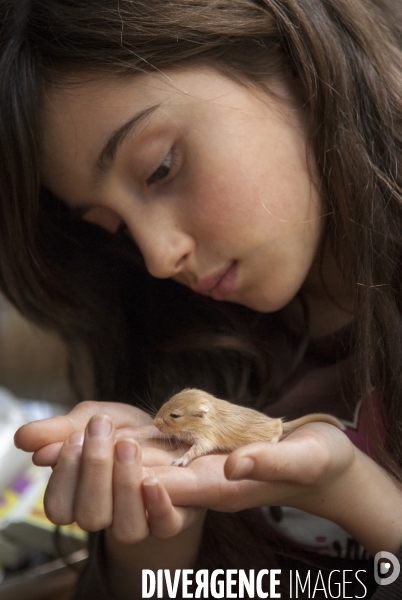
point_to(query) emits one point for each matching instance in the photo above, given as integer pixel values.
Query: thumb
(301, 461)
(35, 435)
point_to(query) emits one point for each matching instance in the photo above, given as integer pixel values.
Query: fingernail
(243, 468)
(151, 488)
(126, 450)
(99, 426)
(76, 438)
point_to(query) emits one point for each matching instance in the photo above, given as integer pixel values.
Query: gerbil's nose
(158, 422)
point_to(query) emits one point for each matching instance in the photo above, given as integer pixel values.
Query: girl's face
(208, 177)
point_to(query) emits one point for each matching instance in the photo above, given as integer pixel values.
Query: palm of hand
(301, 471)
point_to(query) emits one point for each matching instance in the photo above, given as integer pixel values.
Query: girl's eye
(163, 170)
(174, 416)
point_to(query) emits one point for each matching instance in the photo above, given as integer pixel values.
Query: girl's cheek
(103, 217)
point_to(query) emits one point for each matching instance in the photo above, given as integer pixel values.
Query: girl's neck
(328, 298)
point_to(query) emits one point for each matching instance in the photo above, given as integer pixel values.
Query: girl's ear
(200, 411)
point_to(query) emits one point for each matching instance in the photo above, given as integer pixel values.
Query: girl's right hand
(97, 478)
(46, 437)
(99, 484)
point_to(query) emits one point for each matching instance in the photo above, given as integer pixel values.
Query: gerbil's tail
(320, 417)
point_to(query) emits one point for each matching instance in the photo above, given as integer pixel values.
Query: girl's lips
(219, 285)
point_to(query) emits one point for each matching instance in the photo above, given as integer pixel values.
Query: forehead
(87, 105)
(79, 117)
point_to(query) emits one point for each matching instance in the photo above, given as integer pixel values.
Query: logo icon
(386, 568)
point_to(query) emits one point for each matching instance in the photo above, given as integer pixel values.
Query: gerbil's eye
(174, 415)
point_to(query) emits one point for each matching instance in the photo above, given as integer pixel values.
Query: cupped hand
(98, 479)
(46, 437)
(99, 483)
(306, 470)
(310, 469)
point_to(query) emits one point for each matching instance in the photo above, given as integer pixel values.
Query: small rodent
(210, 424)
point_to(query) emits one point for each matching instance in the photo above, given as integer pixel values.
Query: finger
(130, 524)
(48, 455)
(93, 506)
(157, 456)
(299, 461)
(60, 491)
(35, 435)
(147, 436)
(141, 433)
(164, 519)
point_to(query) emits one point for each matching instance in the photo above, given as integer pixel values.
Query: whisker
(146, 405)
(152, 405)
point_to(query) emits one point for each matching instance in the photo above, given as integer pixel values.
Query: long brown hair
(133, 332)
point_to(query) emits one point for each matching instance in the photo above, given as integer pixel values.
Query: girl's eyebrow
(108, 153)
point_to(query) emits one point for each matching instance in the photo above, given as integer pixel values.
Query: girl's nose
(165, 253)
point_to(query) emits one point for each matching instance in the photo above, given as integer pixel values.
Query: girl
(208, 194)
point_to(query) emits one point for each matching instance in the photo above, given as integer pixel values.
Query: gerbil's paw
(180, 462)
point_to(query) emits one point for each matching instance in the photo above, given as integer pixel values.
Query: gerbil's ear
(200, 411)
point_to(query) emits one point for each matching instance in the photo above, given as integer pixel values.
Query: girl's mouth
(219, 284)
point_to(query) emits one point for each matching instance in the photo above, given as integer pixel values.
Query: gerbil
(210, 424)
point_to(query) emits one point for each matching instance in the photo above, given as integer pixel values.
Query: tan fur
(210, 424)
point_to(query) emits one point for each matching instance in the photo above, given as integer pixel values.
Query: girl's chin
(260, 302)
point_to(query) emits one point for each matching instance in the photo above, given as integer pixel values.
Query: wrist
(367, 503)
(125, 562)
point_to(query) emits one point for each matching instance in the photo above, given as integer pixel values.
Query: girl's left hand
(316, 469)
(309, 469)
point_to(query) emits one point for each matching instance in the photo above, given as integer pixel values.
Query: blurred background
(32, 362)
(33, 385)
